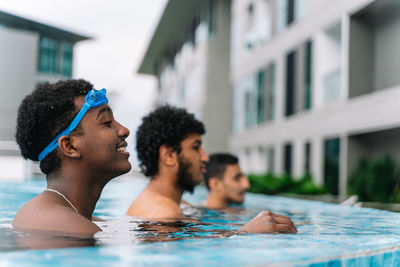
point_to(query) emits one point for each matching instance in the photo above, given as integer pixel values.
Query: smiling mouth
(121, 149)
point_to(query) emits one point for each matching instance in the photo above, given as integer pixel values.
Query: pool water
(328, 234)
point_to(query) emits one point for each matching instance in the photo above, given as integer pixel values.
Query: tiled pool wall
(384, 258)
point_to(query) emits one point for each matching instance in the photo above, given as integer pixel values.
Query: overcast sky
(121, 31)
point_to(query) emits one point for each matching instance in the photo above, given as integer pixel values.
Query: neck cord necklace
(66, 199)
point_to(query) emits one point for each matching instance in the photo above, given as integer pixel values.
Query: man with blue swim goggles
(94, 98)
(84, 163)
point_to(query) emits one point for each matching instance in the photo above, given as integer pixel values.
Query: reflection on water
(18, 240)
(203, 223)
(324, 231)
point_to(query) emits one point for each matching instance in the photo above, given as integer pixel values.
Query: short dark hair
(168, 126)
(43, 114)
(216, 165)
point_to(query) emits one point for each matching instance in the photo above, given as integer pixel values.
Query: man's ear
(213, 183)
(168, 155)
(67, 147)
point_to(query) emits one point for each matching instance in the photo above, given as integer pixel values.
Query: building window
(300, 8)
(48, 53)
(260, 96)
(286, 13)
(269, 96)
(308, 76)
(258, 23)
(55, 57)
(281, 9)
(66, 63)
(250, 96)
(290, 12)
(331, 73)
(250, 38)
(307, 158)
(290, 83)
(332, 88)
(287, 158)
(212, 18)
(265, 94)
(298, 95)
(331, 165)
(254, 99)
(249, 109)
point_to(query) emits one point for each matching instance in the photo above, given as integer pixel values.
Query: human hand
(268, 222)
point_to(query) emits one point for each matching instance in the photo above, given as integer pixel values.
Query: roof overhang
(13, 21)
(170, 33)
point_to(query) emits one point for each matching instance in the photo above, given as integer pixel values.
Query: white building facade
(189, 54)
(316, 86)
(30, 53)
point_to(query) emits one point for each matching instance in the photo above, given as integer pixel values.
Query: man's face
(234, 184)
(192, 160)
(103, 145)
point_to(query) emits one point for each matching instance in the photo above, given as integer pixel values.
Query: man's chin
(125, 169)
(189, 189)
(237, 201)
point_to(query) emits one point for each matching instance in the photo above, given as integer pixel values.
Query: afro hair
(43, 114)
(168, 126)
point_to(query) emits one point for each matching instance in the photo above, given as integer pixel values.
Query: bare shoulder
(151, 205)
(37, 215)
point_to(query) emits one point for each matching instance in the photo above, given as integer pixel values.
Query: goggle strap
(53, 144)
(78, 118)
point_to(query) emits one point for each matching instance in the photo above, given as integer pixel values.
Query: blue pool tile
(396, 258)
(363, 261)
(334, 263)
(387, 259)
(318, 264)
(377, 260)
(351, 262)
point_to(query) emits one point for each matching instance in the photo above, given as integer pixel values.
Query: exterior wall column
(317, 165)
(343, 165)
(298, 158)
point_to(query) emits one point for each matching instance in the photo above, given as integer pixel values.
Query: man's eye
(108, 123)
(238, 178)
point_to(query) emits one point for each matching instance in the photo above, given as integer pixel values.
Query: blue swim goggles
(94, 99)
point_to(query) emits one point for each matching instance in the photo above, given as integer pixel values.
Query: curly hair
(216, 165)
(168, 126)
(43, 114)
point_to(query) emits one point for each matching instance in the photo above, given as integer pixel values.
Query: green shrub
(271, 184)
(376, 180)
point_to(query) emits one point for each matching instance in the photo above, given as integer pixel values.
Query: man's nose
(246, 183)
(204, 156)
(122, 130)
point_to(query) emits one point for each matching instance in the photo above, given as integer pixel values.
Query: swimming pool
(329, 235)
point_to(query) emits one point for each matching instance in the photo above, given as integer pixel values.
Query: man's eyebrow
(104, 109)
